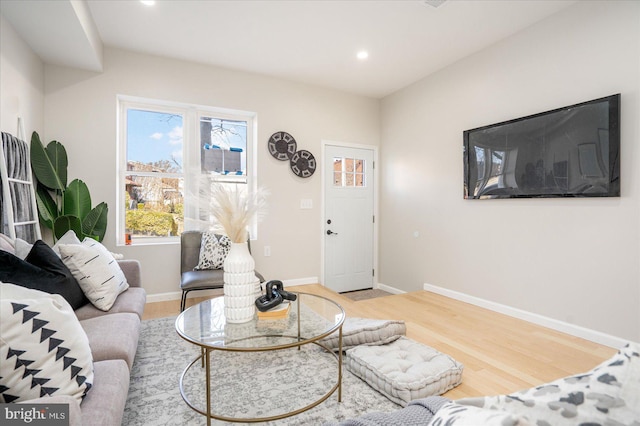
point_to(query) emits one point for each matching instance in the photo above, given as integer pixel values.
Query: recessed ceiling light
(148, 2)
(362, 55)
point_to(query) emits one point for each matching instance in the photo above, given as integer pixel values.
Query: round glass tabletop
(310, 318)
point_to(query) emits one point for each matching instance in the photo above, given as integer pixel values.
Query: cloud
(177, 154)
(175, 135)
(156, 135)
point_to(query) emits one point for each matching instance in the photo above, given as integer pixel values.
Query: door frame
(324, 143)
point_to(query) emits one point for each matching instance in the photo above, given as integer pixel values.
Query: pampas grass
(234, 208)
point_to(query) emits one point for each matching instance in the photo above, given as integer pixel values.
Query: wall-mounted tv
(568, 152)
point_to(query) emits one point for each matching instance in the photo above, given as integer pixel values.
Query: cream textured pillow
(43, 348)
(97, 272)
(366, 331)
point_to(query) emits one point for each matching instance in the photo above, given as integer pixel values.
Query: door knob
(330, 232)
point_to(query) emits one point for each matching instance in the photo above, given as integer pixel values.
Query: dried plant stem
(234, 209)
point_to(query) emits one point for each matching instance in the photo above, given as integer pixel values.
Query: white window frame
(191, 157)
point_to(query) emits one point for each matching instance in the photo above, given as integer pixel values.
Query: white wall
(21, 83)
(574, 260)
(80, 112)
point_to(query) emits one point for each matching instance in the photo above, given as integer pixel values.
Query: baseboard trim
(564, 327)
(176, 295)
(389, 289)
(300, 281)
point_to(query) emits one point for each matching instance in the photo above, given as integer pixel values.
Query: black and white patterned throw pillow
(43, 349)
(213, 251)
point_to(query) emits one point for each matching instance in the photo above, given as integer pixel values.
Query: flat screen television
(572, 151)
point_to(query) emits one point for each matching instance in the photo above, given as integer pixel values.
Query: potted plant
(62, 207)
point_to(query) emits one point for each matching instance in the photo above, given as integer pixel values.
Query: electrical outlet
(267, 251)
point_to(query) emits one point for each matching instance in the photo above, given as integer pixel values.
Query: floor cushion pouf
(404, 370)
(366, 331)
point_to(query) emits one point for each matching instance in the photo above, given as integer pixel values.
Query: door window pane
(348, 165)
(348, 172)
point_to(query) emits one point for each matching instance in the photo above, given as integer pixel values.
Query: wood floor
(500, 354)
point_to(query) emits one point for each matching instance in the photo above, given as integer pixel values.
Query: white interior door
(348, 218)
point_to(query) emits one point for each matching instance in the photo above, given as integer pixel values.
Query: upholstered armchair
(191, 280)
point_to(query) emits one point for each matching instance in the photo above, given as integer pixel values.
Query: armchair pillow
(213, 250)
(44, 350)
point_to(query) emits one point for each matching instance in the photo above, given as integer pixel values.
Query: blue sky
(153, 136)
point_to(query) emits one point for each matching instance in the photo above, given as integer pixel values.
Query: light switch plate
(306, 203)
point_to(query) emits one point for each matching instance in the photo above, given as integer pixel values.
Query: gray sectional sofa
(113, 339)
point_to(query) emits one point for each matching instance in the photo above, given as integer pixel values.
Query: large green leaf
(50, 164)
(63, 223)
(95, 224)
(47, 208)
(76, 199)
(58, 156)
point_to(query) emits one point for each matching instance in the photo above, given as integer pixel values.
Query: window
(168, 154)
(348, 172)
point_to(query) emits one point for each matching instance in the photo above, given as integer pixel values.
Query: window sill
(150, 241)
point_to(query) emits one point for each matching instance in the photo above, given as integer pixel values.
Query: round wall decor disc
(303, 163)
(282, 146)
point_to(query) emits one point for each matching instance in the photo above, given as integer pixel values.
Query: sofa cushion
(43, 348)
(404, 370)
(75, 415)
(97, 272)
(365, 331)
(7, 244)
(42, 270)
(131, 301)
(113, 336)
(213, 250)
(22, 248)
(104, 405)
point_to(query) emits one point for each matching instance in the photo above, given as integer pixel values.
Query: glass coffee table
(310, 319)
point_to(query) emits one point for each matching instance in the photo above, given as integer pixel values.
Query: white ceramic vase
(241, 286)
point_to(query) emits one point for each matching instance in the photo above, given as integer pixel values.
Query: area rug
(243, 385)
(365, 294)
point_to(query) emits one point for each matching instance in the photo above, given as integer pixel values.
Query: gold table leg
(340, 365)
(207, 364)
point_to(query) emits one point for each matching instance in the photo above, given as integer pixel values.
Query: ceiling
(308, 41)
